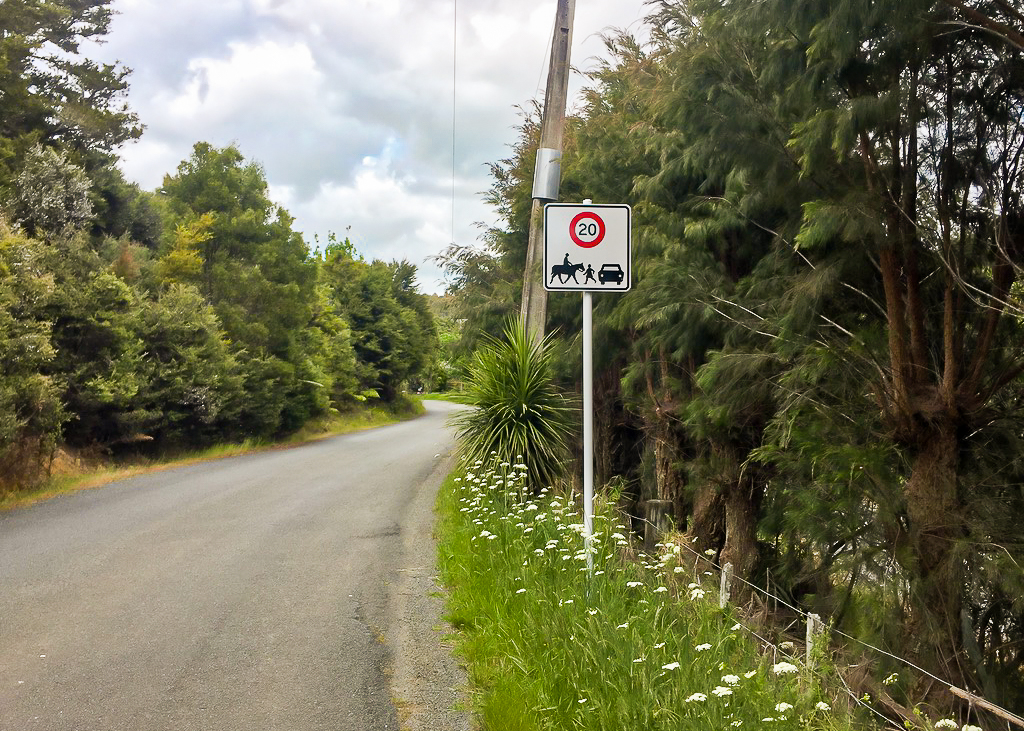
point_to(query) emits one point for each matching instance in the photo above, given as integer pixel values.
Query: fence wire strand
(1009, 716)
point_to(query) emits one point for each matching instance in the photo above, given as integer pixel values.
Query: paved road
(247, 593)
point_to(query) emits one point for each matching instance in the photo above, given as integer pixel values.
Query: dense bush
(518, 408)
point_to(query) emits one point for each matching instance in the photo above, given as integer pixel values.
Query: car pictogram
(610, 273)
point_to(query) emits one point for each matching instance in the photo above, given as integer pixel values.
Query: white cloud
(347, 104)
(276, 82)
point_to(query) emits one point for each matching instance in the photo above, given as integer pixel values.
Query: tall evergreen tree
(31, 413)
(49, 94)
(392, 329)
(255, 271)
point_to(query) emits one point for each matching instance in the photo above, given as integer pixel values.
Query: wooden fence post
(726, 591)
(814, 629)
(657, 523)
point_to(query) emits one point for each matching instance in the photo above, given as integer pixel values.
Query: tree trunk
(742, 507)
(617, 439)
(936, 524)
(666, 458)
(707, 519)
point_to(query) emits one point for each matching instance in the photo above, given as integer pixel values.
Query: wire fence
(971, 698)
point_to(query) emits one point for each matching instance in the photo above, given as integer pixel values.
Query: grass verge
(75, 475)
(449, 396)
(640, 645)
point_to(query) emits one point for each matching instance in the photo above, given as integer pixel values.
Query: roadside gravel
(428, 684)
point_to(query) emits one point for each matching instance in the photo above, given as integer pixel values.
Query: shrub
(519, 410)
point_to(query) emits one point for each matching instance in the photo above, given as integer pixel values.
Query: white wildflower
(822, 706)
(672, 666)
(697, 698)
(702, 647)
(730, 679)
(784, 668)
(783, 707)
(722, 691)
(946, 723)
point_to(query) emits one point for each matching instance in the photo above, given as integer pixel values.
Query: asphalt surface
(246, 593)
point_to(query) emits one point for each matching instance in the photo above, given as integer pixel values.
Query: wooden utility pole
(547, 175)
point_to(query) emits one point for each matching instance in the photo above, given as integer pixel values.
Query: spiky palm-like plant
(519, 411)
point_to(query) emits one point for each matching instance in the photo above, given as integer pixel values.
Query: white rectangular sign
(587, 248)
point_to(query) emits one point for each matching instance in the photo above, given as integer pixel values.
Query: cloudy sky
(348, 104)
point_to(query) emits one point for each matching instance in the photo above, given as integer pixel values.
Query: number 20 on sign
(587, 248)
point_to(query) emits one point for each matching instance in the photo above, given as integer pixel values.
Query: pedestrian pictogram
(587, 247)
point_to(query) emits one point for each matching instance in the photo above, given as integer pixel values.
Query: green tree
(52, 194)
(121, 210)
(99, 354)
(392, 329)
(31, 413)
(48, 92)
(898, 141)
(183, 263)
(192, 388)
(256, 272)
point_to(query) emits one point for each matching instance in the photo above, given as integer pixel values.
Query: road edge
(428, 684)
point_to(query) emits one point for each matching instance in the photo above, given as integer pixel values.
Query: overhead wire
(455, 100)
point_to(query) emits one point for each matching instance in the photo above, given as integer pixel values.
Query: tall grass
(640, 645)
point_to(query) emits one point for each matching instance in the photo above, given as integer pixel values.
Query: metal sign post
(588, 429)
(597, 257)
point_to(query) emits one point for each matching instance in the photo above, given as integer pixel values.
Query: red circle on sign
(583, 218)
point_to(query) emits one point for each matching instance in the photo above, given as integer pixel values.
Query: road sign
(587, 248)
